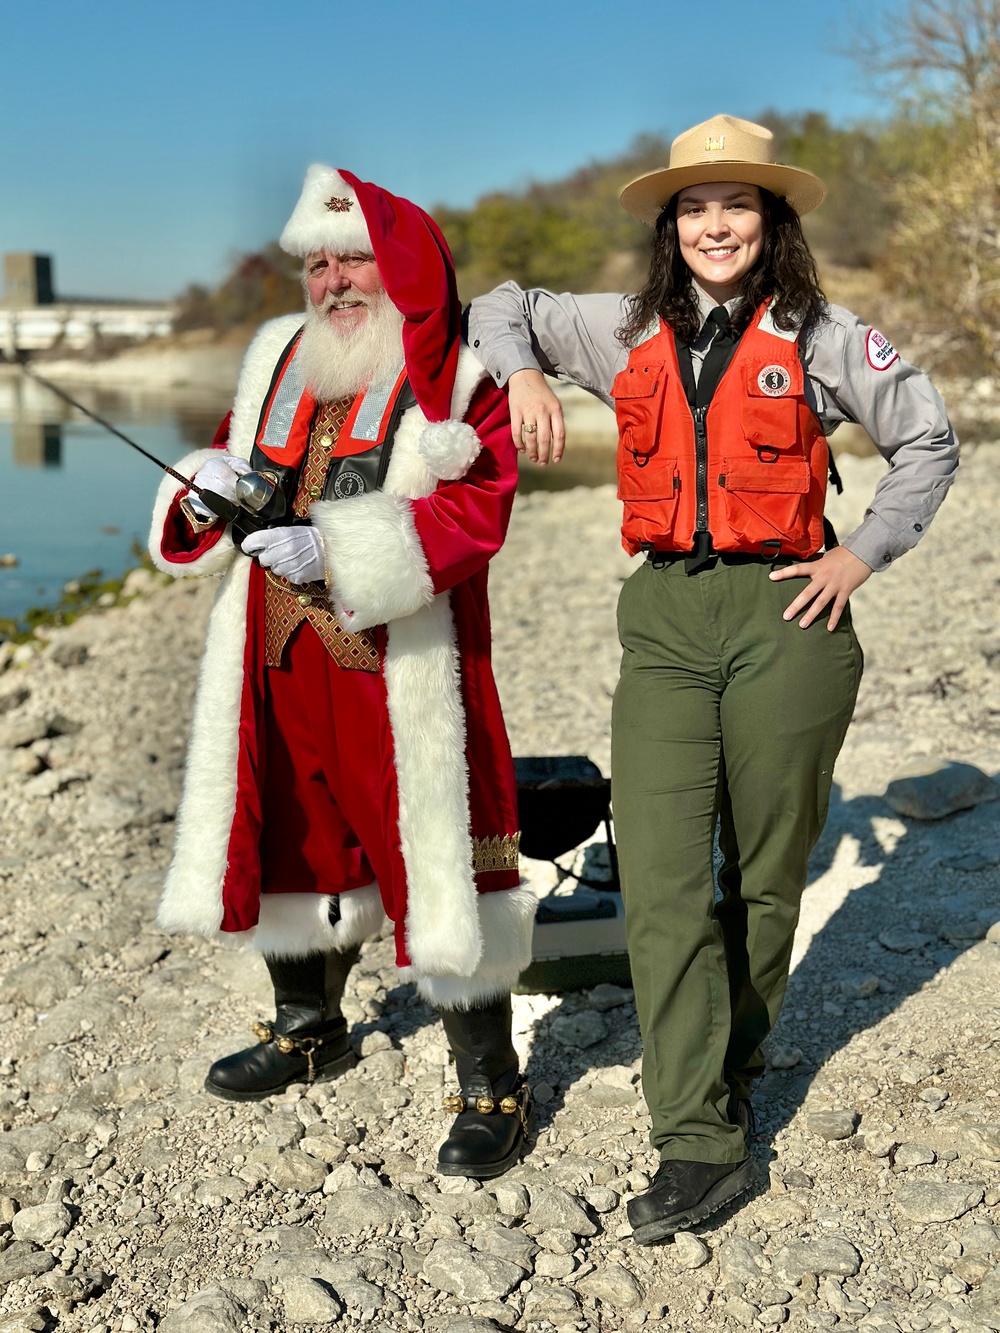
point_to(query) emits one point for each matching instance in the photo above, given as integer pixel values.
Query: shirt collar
(706, 304)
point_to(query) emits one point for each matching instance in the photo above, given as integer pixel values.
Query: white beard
(340, 363)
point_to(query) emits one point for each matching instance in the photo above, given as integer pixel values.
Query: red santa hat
(340, 213)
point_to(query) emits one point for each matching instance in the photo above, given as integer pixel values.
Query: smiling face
(720, 230)
(343, 287)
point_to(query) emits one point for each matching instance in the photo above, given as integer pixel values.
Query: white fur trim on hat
(327, 217)
(449, 448)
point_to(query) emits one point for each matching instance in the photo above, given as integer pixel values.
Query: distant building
(33, 319)
(27, 281)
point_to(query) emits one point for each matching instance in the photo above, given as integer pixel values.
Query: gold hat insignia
(336, 205)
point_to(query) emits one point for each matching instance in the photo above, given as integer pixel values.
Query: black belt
(708, 560)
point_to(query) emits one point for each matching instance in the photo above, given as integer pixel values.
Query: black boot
(685, 1193)
(308, 1039)
(495, 1110)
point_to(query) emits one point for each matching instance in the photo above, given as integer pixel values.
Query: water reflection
(75, 498)
(37, 443)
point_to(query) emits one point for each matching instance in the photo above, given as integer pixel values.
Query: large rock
(929, 789)
(43, 1223)
(985, 1303)
(554, 1305)
(24, 1259)
(690, 1251)
(40, 984)
(352, 1210)
(612, 1285)
(933, 1201)
(555, 1208)
(740, 1261)
(286, 1168)
(832, 1125)
(211, 1311)
(468, 1274)
(827, 1256)
(310, 1302)
(580, 1030)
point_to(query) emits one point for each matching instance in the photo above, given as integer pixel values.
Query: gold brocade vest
(286, 604)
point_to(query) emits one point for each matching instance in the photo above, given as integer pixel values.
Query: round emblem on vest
(348, 484)
(775, 381)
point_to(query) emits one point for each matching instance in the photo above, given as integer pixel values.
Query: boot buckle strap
(514, 1105)
(306, 1046)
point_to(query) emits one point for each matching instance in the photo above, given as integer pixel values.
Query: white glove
(219, 474)
(295, 554)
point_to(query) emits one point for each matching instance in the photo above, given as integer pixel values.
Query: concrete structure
(27, 281)
(33, 319)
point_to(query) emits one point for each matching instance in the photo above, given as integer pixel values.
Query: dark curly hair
(785, 271)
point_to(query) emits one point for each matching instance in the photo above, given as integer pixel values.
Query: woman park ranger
(740, 666)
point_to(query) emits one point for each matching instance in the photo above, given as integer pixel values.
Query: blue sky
(145, 145)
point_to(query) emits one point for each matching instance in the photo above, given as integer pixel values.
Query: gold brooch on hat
(336, 205)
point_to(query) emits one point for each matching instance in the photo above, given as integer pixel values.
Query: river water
(76, 499)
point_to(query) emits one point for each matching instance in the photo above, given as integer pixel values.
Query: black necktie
(717, 357)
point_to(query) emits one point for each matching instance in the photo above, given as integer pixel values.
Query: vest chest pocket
(770, 407)
(638, 395)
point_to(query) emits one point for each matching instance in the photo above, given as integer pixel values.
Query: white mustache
(343, 302)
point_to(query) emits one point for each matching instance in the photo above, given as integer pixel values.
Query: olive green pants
(725, 717)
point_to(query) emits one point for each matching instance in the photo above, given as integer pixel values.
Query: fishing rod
(255, 491)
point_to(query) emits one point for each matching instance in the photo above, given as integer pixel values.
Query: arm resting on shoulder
(521, 336)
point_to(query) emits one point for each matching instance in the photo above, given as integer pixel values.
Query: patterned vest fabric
(286, 605)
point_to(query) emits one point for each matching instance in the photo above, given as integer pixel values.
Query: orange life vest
(750, 469)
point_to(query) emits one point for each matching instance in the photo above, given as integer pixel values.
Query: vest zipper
(701, 468)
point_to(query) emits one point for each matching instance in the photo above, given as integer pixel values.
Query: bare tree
(939, 60)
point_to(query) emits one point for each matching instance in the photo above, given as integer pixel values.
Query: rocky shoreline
(130, 1201)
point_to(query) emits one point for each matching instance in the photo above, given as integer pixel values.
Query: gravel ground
(131, 1201)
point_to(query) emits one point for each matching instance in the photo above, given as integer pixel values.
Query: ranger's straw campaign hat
(724, 148)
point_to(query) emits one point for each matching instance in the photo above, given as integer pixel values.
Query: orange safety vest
(750, 469)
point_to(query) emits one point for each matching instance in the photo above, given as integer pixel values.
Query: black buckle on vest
(771, 549)
(640, 460)
(775, 454)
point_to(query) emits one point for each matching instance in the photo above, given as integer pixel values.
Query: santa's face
(343, 287)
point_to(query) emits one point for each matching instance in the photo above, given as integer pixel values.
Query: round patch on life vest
(775, 381)
(879, 350)
(348, 484)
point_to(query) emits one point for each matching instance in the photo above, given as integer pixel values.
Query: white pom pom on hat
(449, 448)
(327, 217)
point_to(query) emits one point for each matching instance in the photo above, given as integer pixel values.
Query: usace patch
(879, 350)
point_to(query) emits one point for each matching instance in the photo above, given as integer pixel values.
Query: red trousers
(330, 806)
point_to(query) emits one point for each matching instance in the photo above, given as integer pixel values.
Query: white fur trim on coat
(293, 925)
(315, 226)
(192, 893)
(423, 688)
(218, 558)
(376, 567)
(506, 922)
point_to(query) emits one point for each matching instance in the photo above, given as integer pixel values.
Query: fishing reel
(260, 503)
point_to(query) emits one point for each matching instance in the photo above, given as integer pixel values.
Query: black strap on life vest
(359, 474)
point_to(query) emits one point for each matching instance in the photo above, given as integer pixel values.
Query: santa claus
(348, 760)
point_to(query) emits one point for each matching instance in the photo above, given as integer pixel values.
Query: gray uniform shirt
(573, 337)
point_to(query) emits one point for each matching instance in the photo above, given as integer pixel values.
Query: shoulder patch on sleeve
(879, 350)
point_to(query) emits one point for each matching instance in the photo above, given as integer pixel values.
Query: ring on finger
(528, 430)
